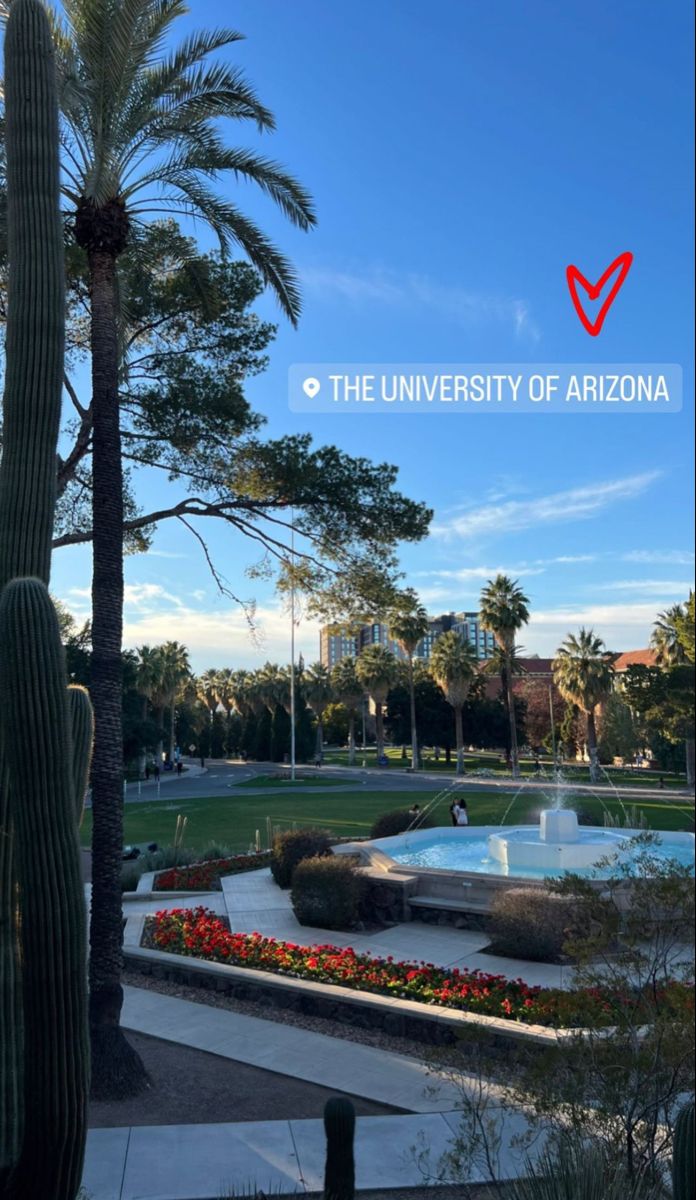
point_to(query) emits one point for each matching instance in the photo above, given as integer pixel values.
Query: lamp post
(292, 646)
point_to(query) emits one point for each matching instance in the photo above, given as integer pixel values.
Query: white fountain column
(559, 825)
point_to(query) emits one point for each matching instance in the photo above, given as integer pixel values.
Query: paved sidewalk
(344, 1066)
(255, 904)
(205, 1162)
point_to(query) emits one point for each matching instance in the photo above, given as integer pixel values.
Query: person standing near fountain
(462, 812)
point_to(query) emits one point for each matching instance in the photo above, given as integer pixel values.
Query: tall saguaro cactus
(44, 1054)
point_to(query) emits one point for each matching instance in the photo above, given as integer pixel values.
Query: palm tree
(377, 670)
(350, 692)
(583, 673)
(207, 689)
(318, 693)
(454, 662)
(507, 666)
(665, 638)
(672, 639)
(504, 611)
(176, 670)
(140, 138)
(149, 681)
(408, 626)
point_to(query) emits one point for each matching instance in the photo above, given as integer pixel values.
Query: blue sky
(461, 155)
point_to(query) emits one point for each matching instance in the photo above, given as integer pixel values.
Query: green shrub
(326, 892)
(533, 924)
(291, 847)
(398, 820)
(214, 851)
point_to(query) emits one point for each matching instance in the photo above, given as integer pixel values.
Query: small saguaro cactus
(339, 1173)
(45, 728)
(683, 1184)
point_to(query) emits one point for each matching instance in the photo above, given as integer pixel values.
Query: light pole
(292, 646)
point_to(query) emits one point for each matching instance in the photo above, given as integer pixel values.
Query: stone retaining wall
(424, 1023)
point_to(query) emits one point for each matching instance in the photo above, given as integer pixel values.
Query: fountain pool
(535, 852)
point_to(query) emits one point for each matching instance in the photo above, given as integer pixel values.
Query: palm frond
(231, 226)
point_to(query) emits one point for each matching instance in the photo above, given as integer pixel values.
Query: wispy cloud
(537, 566)
(623, 626)
(463, 306)
(651, 587)
(215, 636)
(471, 574)
(575, 504)
(675, 558)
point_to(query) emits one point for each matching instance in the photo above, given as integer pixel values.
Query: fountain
(556, 844)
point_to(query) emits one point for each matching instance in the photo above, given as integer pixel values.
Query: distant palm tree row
(583, 672)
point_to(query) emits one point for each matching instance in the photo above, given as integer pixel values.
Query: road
(221, 777)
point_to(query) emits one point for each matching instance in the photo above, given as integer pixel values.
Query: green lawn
(233, 820)
(619, 776)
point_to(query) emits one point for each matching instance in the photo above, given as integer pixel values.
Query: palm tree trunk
(514, 755)
(172, 730)
(158, 716)
(351, 737)
(117, 1070)
(592, 747)
(690, 762)
(379, 730)
(414, 731)
(459, 738)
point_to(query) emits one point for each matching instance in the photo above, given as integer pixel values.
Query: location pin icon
(311, 387)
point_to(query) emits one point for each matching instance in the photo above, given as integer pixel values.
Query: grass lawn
(233, 820)
(619, 776)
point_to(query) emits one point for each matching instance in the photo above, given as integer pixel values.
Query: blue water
(471, 854)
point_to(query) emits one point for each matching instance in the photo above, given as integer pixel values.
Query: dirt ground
(191, 1087)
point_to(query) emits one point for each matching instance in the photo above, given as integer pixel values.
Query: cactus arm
(683, 1154)
(36, 720)
(82, 728)
(339, 1173)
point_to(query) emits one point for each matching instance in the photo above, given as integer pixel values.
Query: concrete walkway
(344, 1066)
(255, 904)
(201, 1162)
(208, 1162)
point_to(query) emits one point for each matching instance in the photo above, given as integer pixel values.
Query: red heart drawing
(575, 277)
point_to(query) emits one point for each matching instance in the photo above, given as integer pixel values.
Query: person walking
(462, 813)
(156, 771)
(179, 767)
(454, 812)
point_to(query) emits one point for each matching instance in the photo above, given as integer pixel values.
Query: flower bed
(205, 876)
(198, 933)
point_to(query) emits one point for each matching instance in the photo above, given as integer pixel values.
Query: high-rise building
(377, 634)
(334, 647)
(469, 625)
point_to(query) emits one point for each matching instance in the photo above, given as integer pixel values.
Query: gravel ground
(191, 1087)
(284, 1016)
